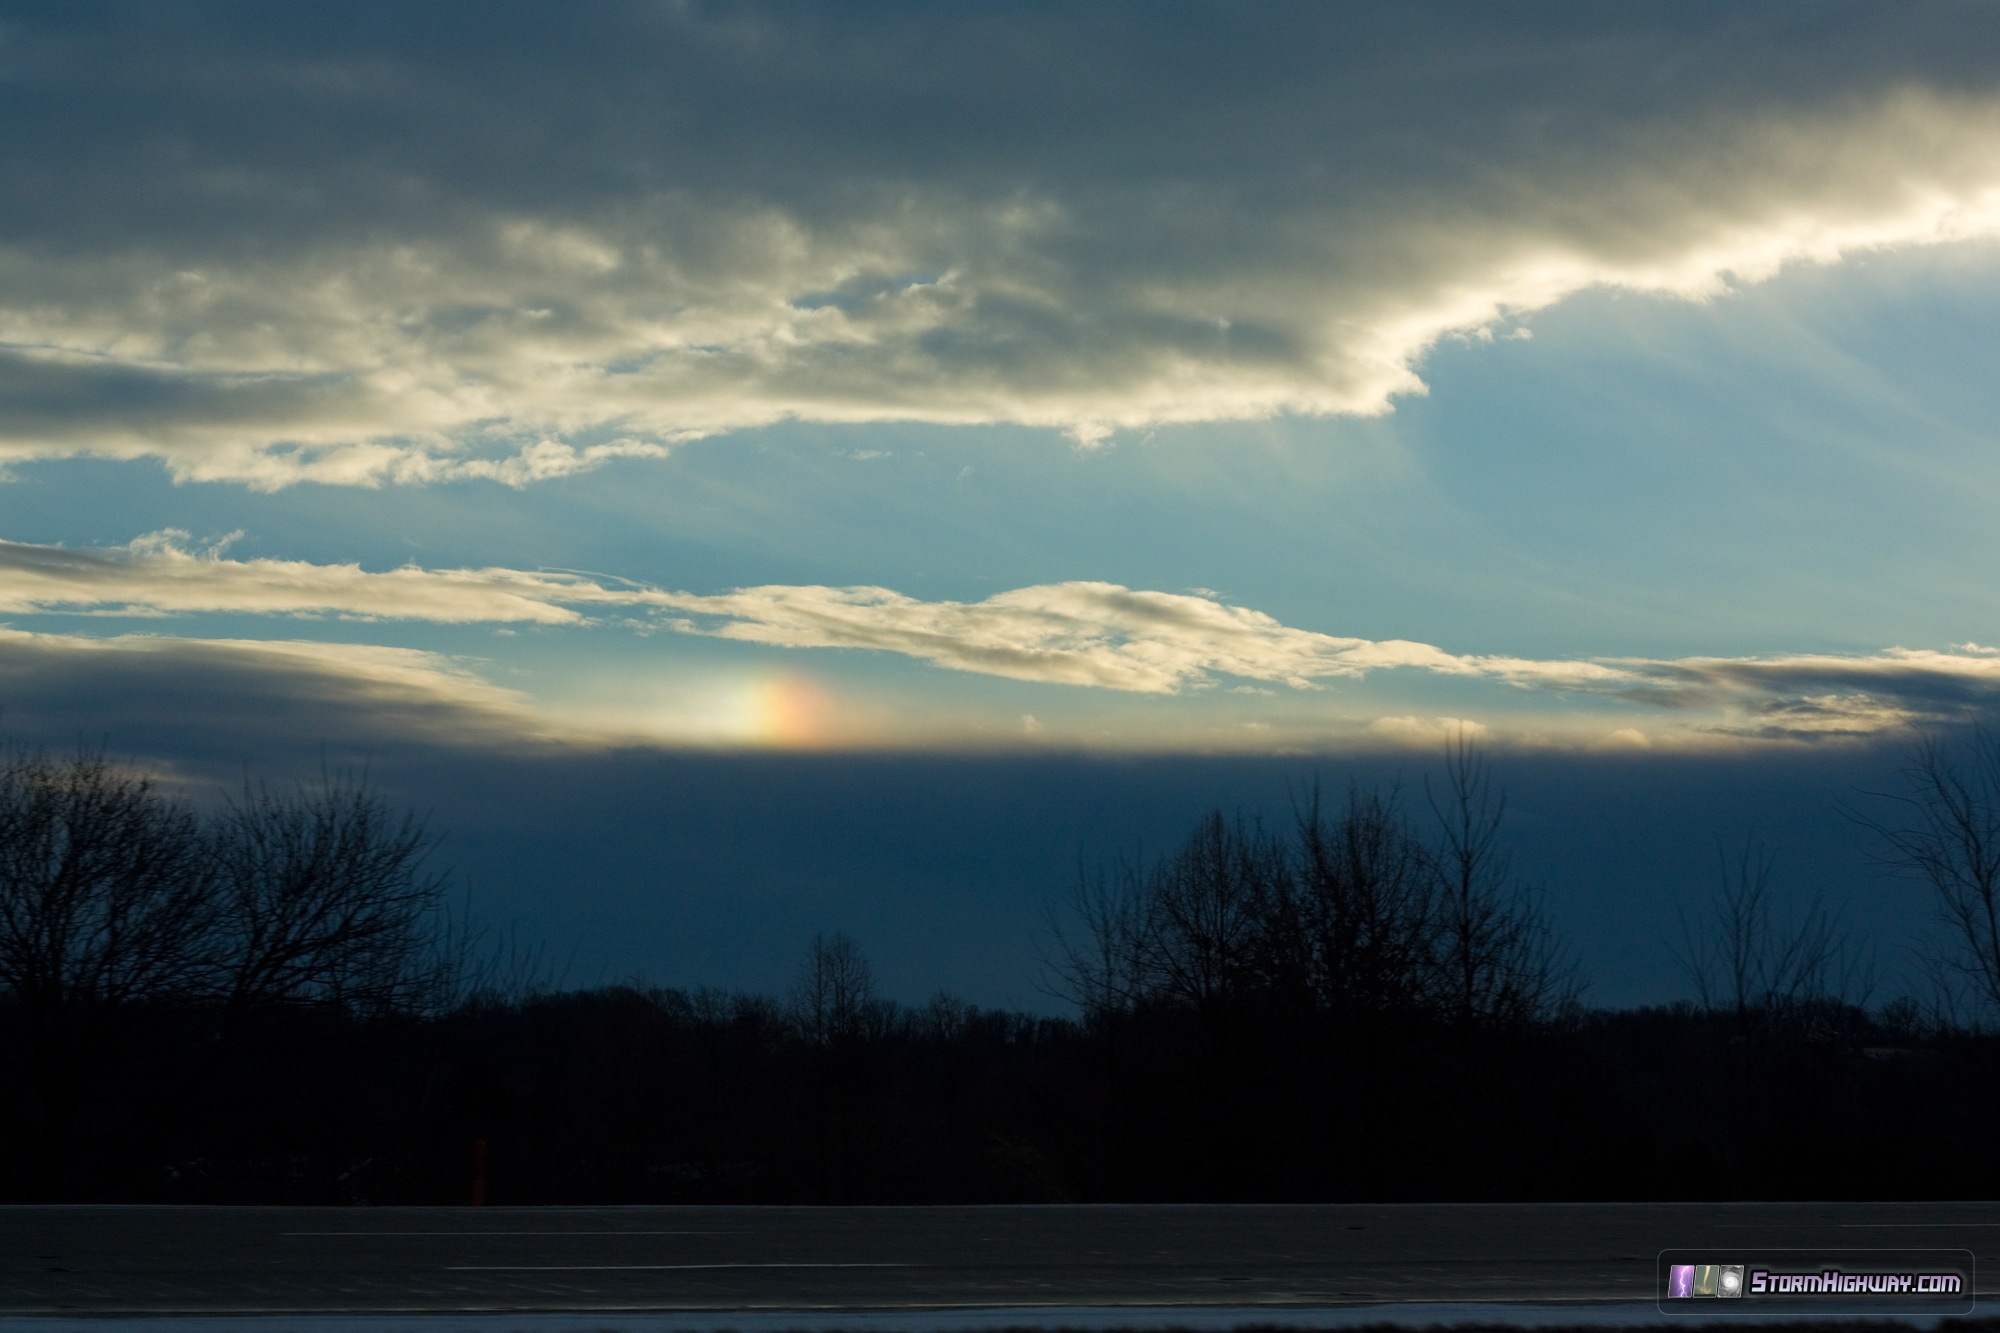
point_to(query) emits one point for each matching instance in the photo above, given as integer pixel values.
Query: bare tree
(1744, 960)
(472, 965)
(1948, 837)
(1366, 909)
(117, 901)
(1499, 963)
(1354, 915)
(833, 1000)
(1097, 962)
(834, 1008)
(1204, 911)
(325, 898)
(106, 901)
(1187, 932)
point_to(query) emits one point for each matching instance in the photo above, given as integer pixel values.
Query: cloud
(1108, 636)
(218, 696)
(1817, 696)
(1099, 635)
(1071, 633)
(352, 251)
(1427, 732)
(162, 574)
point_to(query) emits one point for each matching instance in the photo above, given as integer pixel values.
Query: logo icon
(1730, 1283)
(1706, 1277)
(1680, 1282)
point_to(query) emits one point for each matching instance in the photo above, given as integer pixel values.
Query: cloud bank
(229, 697)
(512, 242)
(1090, 634)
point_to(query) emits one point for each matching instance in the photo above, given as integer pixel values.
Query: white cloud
(674, 230)
(1099, 635)
(1068, 633)
(162, 574)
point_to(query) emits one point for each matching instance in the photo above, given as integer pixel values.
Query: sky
(746, 470)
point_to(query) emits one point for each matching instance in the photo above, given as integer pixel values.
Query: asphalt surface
(92, 1262)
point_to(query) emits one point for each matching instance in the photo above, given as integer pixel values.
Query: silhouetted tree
(833, 1000)
(120, 905)
(1190, 931)
(1777, 991)
(835, 1010)
(324, 898)
(1362, 924)
(1357, 912)
(1205, 908)
(1096, 961)
(1948, 837)
(1499, 961)
(1743, 960)
(107, 900)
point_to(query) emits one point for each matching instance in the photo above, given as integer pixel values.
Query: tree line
(268, 1000)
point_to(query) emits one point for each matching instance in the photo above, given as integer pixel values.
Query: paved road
(109, 1261)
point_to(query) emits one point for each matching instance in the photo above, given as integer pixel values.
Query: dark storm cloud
(364, 112)
(690, 868)
(381, 242)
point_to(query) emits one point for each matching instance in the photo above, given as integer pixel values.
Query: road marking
(1845, 1226)
(623, 1268)
(509, 1233)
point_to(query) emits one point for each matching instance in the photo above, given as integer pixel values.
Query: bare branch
(1946, 835)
